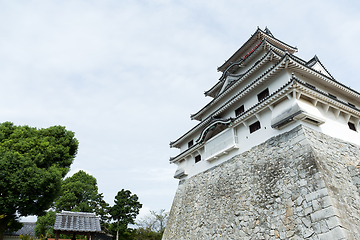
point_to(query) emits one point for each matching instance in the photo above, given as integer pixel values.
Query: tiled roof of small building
(27, 228)
(77, 222)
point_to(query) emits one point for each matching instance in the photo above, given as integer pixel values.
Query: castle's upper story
(265, 90)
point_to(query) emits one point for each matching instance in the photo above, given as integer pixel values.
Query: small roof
(27, 228)
(77, 222)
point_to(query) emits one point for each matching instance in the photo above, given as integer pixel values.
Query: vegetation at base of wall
(154, 222)
(147, 234)
(79, 193)
(26, 237)
(114, 220)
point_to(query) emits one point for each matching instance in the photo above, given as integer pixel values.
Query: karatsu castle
(275, 153)
(265, 90)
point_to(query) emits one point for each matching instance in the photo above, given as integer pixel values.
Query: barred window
(264, 94)
(254, 127)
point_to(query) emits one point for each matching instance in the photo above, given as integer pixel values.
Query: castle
(275, 154)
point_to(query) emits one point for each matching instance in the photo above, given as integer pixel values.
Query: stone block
(323, 226)
(290, 234)
(302, 182)
(308, 210)
(316, 227)
(333, 222)
(319, 184)
(308, 233)
(306, 221)
(325, 201)
(317, 194)
(323, 214)
(315, 204)
(334, 234)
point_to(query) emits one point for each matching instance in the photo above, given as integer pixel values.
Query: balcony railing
(220, 144)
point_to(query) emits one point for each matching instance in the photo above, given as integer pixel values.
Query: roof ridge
(217, 97)
(209, 117)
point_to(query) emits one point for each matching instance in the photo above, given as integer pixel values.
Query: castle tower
(275, 154)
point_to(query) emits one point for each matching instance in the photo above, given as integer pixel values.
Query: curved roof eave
(328, 79)
(244, 116)
(205, 121)
(276, 67)
(255, 36)
(276, 49)
(196, 115)
(292, 84)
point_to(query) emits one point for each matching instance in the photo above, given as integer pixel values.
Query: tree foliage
(32, 163)
(45, 225)
(152, 226)
(79, 193)
(124, 211)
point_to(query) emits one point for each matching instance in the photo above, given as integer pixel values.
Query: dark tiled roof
(77, 222)
(28, 228)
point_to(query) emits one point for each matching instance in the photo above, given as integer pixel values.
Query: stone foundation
(299, 185)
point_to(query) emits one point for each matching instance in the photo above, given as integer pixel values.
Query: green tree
(79, 193)
(147, 234)
(45, 225)
(32, 163)
(152, 226)
(124, 211)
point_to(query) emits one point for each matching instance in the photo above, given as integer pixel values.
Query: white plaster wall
(248, 101)
(335, 127)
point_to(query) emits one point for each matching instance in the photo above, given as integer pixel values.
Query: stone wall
(298, 185)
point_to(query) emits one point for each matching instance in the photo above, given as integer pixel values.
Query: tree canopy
(45, 225)
(32, 163)
(79, 193)
(152, 226)
(124, 211)
(155, 221)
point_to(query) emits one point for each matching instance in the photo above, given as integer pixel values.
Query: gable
(318, 67)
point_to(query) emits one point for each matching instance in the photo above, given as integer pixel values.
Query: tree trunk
(3, 225)
(117, 235)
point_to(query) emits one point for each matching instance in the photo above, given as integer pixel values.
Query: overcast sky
(125, 75)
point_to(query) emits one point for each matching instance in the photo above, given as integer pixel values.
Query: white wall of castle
(335, 124)
(332, 127)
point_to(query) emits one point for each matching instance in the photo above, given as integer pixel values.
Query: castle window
(254, 127)
(197, 158)
(191, 143)
(312, 121)
(332, 96)
(352, 126)
(351, 105)
(239, 111)
(264, 94)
